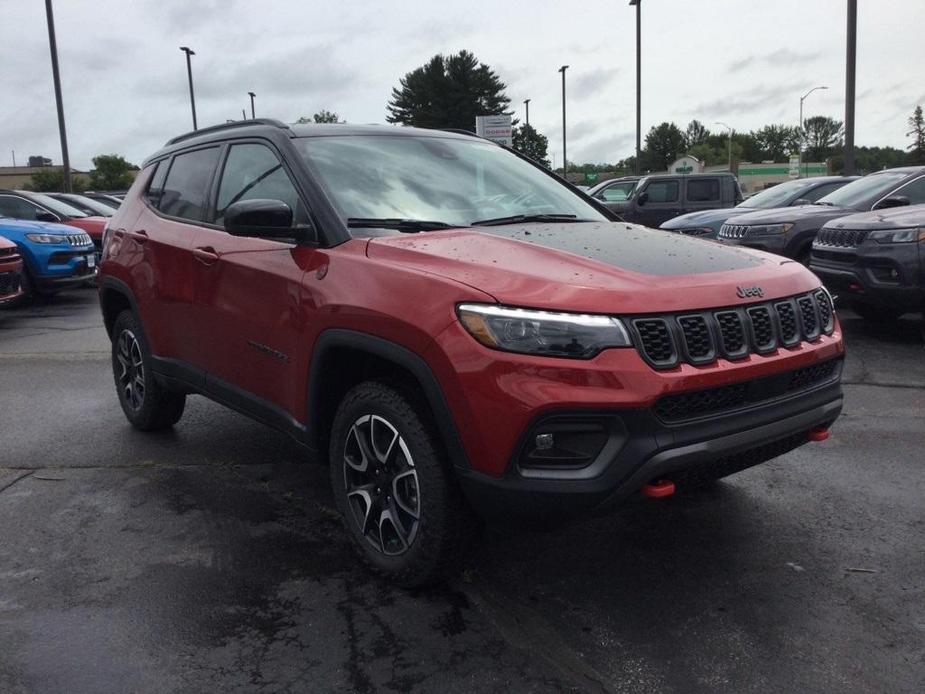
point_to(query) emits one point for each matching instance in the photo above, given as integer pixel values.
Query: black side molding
(330, 340)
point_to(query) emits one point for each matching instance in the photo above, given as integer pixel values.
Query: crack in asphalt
(17, 479)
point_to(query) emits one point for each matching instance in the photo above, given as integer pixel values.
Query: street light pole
(527, 104)
(189, 73)
(252, 95)
(850, 60)
(564, 156)
(638, 4)
(53, 45)
(802, 99)
(730, 142)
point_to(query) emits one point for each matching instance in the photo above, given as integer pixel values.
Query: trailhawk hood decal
(594, 267)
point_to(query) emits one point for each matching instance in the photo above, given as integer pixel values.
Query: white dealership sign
(497, 128)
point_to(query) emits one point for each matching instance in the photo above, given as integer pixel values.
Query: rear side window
(703, 190)
(156, 186)
(662, 191)
(187, 184)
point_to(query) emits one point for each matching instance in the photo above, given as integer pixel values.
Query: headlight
(47, 238)
(897, 236)
(697, 231)
(769, 229)
(575, 335)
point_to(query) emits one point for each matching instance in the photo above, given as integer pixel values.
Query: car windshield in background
(57, 206)
(450, 180)
(860, 190)
(778, 196)
(94, 207)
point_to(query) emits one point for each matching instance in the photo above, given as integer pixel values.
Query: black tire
(876, 314)
(412, 474)
(147, 404)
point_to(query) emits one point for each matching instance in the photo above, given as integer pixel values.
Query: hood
(894, 218)
(594, 267)
(15, 227)
(699, 218)
(782, 215)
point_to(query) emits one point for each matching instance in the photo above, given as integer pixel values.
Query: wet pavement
(210, 558)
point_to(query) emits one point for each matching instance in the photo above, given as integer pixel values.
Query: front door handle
(140, 237)
(205, 255)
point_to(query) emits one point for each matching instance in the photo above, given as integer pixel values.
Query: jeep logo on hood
(745, 292)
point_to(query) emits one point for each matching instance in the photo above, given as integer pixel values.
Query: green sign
(591, 177)
(684, 169)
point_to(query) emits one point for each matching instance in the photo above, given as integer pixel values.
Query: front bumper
(652, 450)
(889, 275)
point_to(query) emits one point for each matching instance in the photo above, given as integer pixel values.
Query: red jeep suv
(460, 334)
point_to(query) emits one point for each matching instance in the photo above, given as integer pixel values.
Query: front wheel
(397, 494)
(147, 403)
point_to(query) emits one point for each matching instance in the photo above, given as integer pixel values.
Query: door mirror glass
(43, 216)
(643, 198)
(892, 201)
(261, 218)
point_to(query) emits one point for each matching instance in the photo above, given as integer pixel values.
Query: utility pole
(638, 5)
(189, 73)
(730, 142)
(564, 156)
(851, 61)
(53, 45)
(527, 104)
(252, 95)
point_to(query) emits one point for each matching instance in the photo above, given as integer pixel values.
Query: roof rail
(225, 126)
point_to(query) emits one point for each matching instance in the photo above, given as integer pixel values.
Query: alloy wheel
(132, 378)
(383, 494)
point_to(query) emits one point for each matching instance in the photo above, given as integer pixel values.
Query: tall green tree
(821, 137)
(776, 142)
(664, 144)
(695, 134)
(917, 133)
(528, 141)
(111, 172)
(447, 92)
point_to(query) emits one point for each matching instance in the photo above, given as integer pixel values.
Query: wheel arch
(342, 358)
(115, 297)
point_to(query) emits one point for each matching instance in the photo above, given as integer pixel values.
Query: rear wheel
(398, 497)
(147, 404)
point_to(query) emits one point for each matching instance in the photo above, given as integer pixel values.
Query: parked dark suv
(659, 197)
(789, 231)
(875, 260)
(459, 333)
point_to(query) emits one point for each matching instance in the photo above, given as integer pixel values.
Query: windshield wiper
(520, 218)
(408, 225)
(827, 204)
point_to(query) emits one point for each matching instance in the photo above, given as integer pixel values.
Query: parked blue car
(55, 256)
(801, 191)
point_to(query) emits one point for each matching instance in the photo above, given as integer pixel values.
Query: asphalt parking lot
(210, 558)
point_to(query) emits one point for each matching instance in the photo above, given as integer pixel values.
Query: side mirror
(643, 198)
(43, 216)
(270, 219)
(802, 201)
(892, 201)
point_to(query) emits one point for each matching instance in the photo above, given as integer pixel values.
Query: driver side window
(914, 190)
(253, 172)
(17, 208)
(618, 192)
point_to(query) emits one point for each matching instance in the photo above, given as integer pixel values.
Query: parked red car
(24, 204)
(458, 332)
(10, 272)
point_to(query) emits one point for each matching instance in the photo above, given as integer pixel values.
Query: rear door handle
(140, 237)
(205, 255)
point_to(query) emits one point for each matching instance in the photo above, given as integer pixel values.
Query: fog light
(544, 442)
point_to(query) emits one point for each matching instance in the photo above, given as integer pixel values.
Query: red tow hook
(658, 489)
(818, 434)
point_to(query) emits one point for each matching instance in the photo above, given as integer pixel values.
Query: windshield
(56, 206)
(857, 192)
(92, 206)
(454, 181)
(778, 196)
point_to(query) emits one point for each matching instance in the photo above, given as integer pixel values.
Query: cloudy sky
(738, 61)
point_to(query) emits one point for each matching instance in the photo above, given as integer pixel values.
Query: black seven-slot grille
(723, 399)
(701, 337)
(9, 283)
(840, 238)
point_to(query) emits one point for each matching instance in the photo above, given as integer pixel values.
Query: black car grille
(694, 404)
(9, 283)
(733, 333)
(840, 238)
(79, 239)
(733, 231)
